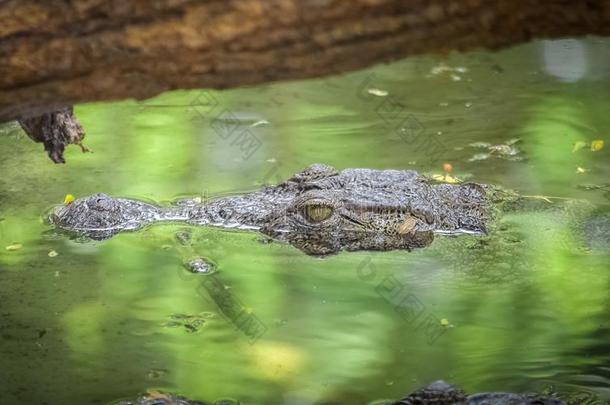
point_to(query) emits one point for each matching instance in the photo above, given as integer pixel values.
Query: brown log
(57, 53)
(61, 52)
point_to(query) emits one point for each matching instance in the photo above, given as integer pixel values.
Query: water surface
(524, 309)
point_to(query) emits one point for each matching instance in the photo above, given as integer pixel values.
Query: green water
(527, 308)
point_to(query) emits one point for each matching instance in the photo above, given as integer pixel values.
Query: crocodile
(443, 393)
(437, 393)
(319, 210)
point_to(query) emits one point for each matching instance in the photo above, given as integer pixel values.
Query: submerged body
(319, 210)
(437, 393)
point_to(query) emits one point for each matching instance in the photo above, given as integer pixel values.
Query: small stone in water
(199, 265)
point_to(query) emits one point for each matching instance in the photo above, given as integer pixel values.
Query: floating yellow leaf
(68, 199)
(580, 170)
(445, 178)
(13, 247)
(445, 322)
(578, 146)
(596, 145)
(52, 253)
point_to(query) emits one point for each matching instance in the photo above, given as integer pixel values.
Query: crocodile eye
(317, 212)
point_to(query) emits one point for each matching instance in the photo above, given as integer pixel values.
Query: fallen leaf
(578, 146)
(259, 123)
(580, 170)
(479, 156)
(377, 92)
(444, 322)
(52, 253)
(597, 145)
(68, 199)
(14, 247)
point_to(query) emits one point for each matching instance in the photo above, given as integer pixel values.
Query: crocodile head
(319, 210)
(100, 216)
(325, 222)
(363, 209)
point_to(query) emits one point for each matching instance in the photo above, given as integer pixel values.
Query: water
(525, 309)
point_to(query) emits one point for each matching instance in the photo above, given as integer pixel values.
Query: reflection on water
(524, 308)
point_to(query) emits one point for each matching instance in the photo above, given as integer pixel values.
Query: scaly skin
(442, 393)
(319, 210)
(437, 393)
